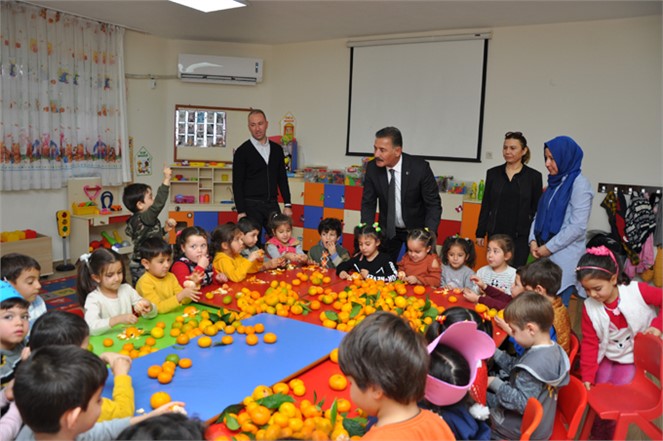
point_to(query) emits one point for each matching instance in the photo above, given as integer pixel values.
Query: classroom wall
(599, 82)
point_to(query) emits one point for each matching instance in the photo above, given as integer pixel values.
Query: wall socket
(489, 155)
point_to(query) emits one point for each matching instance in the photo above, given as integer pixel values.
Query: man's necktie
(391, 207)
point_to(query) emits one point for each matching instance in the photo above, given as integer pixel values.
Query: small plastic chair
(571, 405)
(574, 348)
(638, 402)
(531, 418)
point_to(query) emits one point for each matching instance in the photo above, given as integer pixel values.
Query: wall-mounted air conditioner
(214, 69)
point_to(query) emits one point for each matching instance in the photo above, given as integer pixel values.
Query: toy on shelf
(14, 236)
(114, 242)
(185, 199)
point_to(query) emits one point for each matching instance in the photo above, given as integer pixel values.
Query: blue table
(224, 375)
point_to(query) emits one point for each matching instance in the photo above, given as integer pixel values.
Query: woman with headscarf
(560, 224)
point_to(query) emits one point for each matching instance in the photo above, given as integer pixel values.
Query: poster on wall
(143, 162)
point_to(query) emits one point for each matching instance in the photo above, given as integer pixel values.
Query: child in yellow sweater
(60, 328)
(227, 245)
(158, 284)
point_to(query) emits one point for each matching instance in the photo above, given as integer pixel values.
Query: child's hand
(412, 280)
(220, 278)
(344, 275)
(331, 247)
(490, 380)
(203, 262)
(364, 274)
(654, 331)
(123, 319)
(166, 408)
(169, 225)
(9, 390)
(588, 385)
(191, 293)
(478, 282)
(401, 275)
(195, 277)
(167, 174)
(470, 295)
(301, 258)
(143, 307)
(118, 363)
(256, 255)
(503, 325)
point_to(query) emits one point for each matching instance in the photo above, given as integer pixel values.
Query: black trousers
(394, 245)
(259, 211)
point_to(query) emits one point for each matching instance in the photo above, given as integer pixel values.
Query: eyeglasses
(513, 134)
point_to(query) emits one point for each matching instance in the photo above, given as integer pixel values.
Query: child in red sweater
(420, 265)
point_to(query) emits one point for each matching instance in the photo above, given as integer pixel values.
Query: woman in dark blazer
(510, 197)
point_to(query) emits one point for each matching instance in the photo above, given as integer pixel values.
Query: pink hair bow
(603, 251)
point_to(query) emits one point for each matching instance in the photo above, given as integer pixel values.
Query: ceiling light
(211, 5)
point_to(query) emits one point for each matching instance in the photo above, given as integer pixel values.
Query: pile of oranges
(364, 297)
(279, 299)
(271, 413)
(134, 351)
(165, 372)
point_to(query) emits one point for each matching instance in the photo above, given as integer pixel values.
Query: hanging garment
(646, 259)
(640, 221)
(614, 204)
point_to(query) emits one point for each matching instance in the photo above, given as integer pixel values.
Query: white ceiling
(292, 21)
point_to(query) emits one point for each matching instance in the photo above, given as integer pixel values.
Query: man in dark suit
(415, 200)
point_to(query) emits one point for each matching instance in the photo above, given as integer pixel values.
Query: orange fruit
(157, 332)
(281, 388)
(175, 332)
(260, 415)
(134, 353)
(229, 329)
(333, 355)
(205, 341)
(165, 377)
(251, 339)
(169, 364)
(241, 329)
(227, 339)
(185, 363)
(259, 328)
(158, 399)
(190, 311)
(249, 330)
(161, 325)
(154, 371)
(480, 307)
(452, 299)
(419, 289)
(315, 305)
(343, 405)
(128, 347)
(182, 339)
(150, 341)
(296, 282)
(338, 382)
(269, 338)
(173, 357)
(299, 390)
(132, 332)
(108, 342)
(210, 330)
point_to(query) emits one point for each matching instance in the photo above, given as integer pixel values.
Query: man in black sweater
(259, 172)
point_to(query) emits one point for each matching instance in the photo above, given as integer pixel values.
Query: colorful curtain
(62, 99)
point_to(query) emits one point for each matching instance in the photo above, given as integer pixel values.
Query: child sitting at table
(192, 260)
(328, 253)
(369, 263)
(60, 328)
(108, 301)
(282, 244)
(458, 258)
(23, 273)
(420, 265)
(227, 246)
(455, 356)
(251, 230)
(386, 363)
(158, 284)
(58, 392)
(538, 373)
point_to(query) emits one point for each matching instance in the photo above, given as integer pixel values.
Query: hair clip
(377, 227)
(361, 225)
(426, 229)
(178, 233)
(85, 257)
(441, 319)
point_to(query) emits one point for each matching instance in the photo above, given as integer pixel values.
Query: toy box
(39, 248)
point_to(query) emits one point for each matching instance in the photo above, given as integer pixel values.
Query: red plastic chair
(638, 402)
(574, 348)
(571, 405)
(531, 418)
